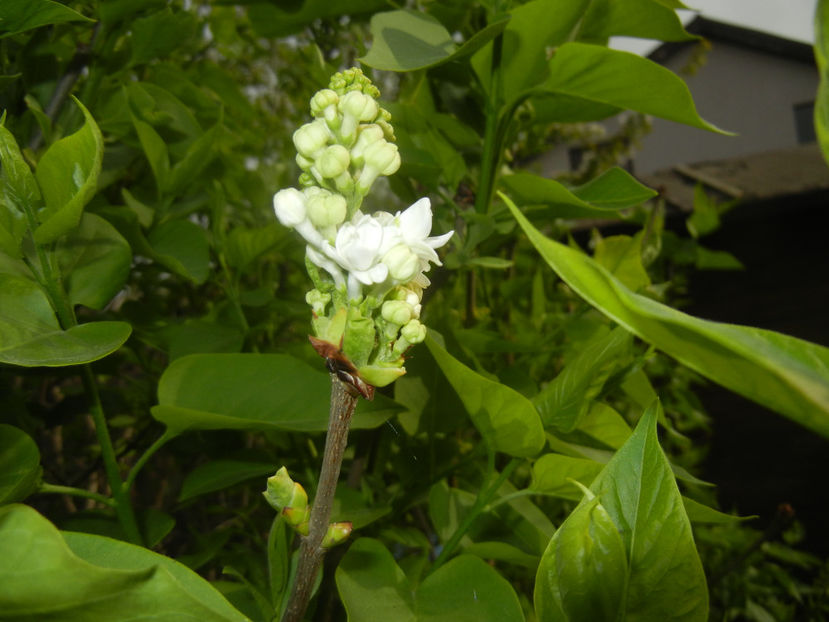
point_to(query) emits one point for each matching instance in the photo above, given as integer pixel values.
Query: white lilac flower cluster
(368, 269)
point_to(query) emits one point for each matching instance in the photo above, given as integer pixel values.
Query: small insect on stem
(338, 363)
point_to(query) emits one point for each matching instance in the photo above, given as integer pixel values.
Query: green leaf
(822, 58)
(373, 587)
(614, 189)
(19, 464)
(534, 28)
(599, 75)
(638, 490)
(699, 513)
(68, 178)
(253, 392)
(491, 263)
(95, 261)
(647, 19)
(30, 334)
(243, 245)
(600, 198)
(18, 194)
(182, 246)
(406, 40)
(155, 149)
(552, 474)
(220, 474)
(583, 573)
(86, 577)
(621, 255)
(270, 20)
(565, 401)
(504, 417)
(780, 372)
(21, 15)
(159, 34)
(200, 153)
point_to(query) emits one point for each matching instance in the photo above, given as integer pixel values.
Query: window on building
(804, 122)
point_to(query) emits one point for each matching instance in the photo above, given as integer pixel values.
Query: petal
(439, 240)
(416, 221)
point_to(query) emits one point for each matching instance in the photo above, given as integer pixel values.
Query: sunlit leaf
(783, 373)
(31, 336)
(406, 40)
(68, 178)
(600, 75)
(19, 193)
(648, 19)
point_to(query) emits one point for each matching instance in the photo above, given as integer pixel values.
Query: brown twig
(343, 402)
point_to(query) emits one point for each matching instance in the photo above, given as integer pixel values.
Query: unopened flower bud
(397, 312)
(318, 301)
(402, 262)
(322, 100)
(356, 108)
(289, 205)
(380, 158)
(303, 162)
(283, 492)
(327, 209)
(311, 138)
(368, 135)
(413, 332)
(333, 162)
(298, 519)
(336, 534)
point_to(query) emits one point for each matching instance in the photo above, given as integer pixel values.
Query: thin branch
(343, 403)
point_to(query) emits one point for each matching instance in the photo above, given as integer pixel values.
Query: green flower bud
(283, 492)
(402, 262)
(311, 138)
(333, 162)
(396, 311)
(322, 101)
(298, 519)
(413, 332)
(304, 163)
(318, 301)
(336, 534)
(362, 107)
(381, 376)
(326, 209)
(381, 158)
(368, 135)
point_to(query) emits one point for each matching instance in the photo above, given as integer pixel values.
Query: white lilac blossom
(368, 269)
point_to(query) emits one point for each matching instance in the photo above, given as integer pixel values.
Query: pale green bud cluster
(351, 142)
(289, 498)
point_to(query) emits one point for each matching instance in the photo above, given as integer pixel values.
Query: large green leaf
(373, 587)
(95, 260)
(406, 40)
(554, 474)
(31, 336)
(182, 246)
(626, 552)
(583, 572)
(504, 417)
(565, 401)
(638, 490)
(822, 58)
(534, 27)
(19, 464)
(648, 19)
(85, 578)
(21, 15)
(785, 374)
(68, 177)
(602, 197)
(599, 75)
(253, 392)
(18, 194)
